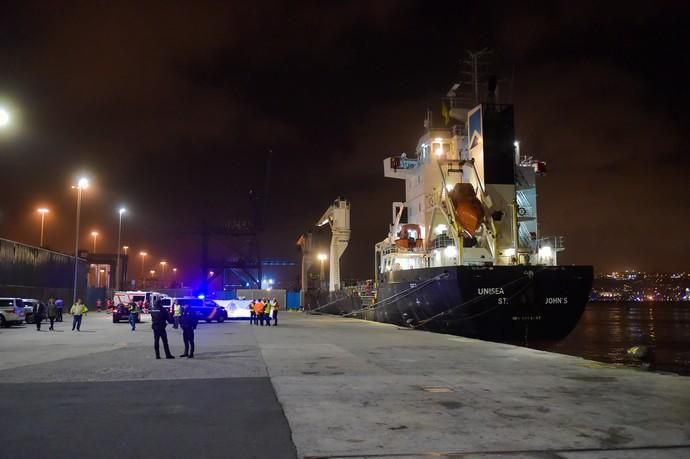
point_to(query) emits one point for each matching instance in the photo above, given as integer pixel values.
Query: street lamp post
(174, 270)
(81, 185)
(119, 240)
(143, 257)
(98, 267)
(43, 213)
(164, 264)
(322, 257)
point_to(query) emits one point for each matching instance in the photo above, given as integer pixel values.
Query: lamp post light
(174, 270)
(125, 248)
(5, 118)
(95, 236)
(322, 257)
(82, 184)
(163, 264)
(153, 273)
(143, 257)
(43, 213)
(119, 238)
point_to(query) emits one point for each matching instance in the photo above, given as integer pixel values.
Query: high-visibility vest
(178, 310)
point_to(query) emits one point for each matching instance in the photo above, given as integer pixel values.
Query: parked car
(121, 312)
(29, 309)
(204, 310)
(11, 311)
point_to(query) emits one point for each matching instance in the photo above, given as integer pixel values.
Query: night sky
(171, 109)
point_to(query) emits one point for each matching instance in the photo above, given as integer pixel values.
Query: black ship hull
(497, 303)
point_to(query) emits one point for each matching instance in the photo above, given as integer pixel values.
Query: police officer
(160, 317)
(188, 322)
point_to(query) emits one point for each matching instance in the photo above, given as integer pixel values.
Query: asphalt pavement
(319, 386)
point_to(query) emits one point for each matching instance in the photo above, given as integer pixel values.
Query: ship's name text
(556, 300)
(490, 291)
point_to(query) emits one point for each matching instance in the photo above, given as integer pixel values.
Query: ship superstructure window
(440, 149)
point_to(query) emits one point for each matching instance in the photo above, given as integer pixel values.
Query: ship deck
(322, 386)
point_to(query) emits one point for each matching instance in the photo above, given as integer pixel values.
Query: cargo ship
(464, 254)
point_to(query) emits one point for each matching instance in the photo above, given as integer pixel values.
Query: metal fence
(32, 272)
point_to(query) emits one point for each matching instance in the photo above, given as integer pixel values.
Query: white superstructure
(470, 198)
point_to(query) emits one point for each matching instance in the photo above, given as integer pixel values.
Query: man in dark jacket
(160, 317)
(39, 311)
(188, 322)
(52, 313)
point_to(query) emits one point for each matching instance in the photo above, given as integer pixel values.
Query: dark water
(607, 330)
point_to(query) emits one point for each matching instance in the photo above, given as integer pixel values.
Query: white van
(11, 311)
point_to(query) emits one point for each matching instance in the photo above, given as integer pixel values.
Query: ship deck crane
(337, 216)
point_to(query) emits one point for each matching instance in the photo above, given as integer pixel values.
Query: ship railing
(403, 162)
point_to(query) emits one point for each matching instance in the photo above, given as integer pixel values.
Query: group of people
(187, 320)
(53, 312)
(262, 310)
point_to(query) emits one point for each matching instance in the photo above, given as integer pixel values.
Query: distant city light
(322, 257)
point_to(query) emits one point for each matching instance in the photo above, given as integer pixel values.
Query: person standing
(77, 310)
(188, 322)
(177, 312)
(99, 303)
(259, 308)
(267, 312)
(160, 318)
(39, 311)
(132, 315)
(52, 312)
(274, 310)
(59, 306)
(252, 312)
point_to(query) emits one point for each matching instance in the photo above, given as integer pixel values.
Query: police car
(11, 311)
(204, 310)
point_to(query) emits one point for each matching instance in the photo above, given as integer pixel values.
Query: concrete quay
(320, 386)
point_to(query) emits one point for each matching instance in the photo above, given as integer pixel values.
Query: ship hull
(498, 303)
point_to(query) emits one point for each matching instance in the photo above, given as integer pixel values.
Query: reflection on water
(607, 330)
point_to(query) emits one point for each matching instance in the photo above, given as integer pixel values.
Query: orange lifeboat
(469, 211)
(410, 236)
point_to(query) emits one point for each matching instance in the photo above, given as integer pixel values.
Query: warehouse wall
(32, 272)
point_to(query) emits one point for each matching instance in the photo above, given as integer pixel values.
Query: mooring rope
(391, 298)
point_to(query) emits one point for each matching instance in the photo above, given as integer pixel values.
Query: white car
(11, 311)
